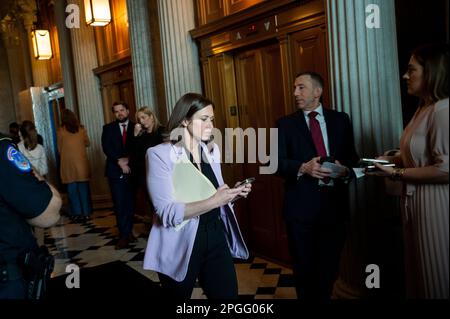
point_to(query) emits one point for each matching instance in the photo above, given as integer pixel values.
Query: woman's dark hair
(69, 121)
(29, 135)
(184, 109)
(14, 127)
(434, 60)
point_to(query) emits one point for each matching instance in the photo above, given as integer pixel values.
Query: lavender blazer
(169, 251)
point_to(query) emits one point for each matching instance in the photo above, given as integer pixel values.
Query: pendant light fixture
(97, 12)
(40, 37)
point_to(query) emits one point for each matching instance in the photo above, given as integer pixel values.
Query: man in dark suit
(115, 140)
(315, 205)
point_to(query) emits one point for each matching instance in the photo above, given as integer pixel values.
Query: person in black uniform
(116, 137)
(17, 215)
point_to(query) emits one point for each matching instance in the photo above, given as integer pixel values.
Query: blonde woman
(147, 133)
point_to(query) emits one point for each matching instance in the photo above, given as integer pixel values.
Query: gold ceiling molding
(18, 12)
(14, 16)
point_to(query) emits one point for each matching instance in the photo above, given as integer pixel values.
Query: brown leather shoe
(121, 244)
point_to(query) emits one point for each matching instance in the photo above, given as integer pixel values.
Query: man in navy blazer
(315, 205)
(115, 140)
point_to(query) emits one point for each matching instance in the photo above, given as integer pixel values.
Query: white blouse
(36, 157)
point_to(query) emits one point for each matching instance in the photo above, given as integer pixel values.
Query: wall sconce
(42, 47)
(97, 12)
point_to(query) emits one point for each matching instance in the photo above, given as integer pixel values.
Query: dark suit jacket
(305, 200)
(113, 147)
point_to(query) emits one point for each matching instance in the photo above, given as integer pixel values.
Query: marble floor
(92, 243)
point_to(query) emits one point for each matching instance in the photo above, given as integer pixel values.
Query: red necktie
(124, 134)
(316, 134)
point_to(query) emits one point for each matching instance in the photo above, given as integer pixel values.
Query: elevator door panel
(261, 103)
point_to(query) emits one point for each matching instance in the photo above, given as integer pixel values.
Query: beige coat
(74, 161)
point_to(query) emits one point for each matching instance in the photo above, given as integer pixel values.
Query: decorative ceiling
(11, 10)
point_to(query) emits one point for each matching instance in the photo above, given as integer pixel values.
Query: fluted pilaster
(24, 21)
(364, 72)
(141, 53)
(89, 100)
(17, 53)
(7, 114)
(180, 54)
(66, 60)
(366, 84)
(25, 57)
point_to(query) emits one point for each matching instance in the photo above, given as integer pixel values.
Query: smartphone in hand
(368, 164)
(245, 181)
(369, 161)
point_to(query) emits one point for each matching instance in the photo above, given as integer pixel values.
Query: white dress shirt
(121, 126)
(323, 128)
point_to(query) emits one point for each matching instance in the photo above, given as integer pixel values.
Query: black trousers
(315, 250)
(211, 263)
(13, 289)
(123, 200)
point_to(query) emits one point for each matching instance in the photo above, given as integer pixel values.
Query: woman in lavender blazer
(195, 233)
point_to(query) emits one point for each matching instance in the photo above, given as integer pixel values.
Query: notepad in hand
(336, 170)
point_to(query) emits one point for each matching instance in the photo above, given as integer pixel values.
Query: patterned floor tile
(92, 244)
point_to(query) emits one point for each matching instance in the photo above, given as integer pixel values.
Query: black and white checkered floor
(92, 243)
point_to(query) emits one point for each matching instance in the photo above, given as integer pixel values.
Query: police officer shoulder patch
(18, 159)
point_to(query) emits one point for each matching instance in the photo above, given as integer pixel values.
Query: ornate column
(366, 84)
(141, 54)
(15, 81)
(18, 60)
(26, 57)
(89, 101)
(66, 59)
(7, 114)
(180, 57)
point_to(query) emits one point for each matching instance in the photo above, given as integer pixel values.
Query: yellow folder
(190, 185)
